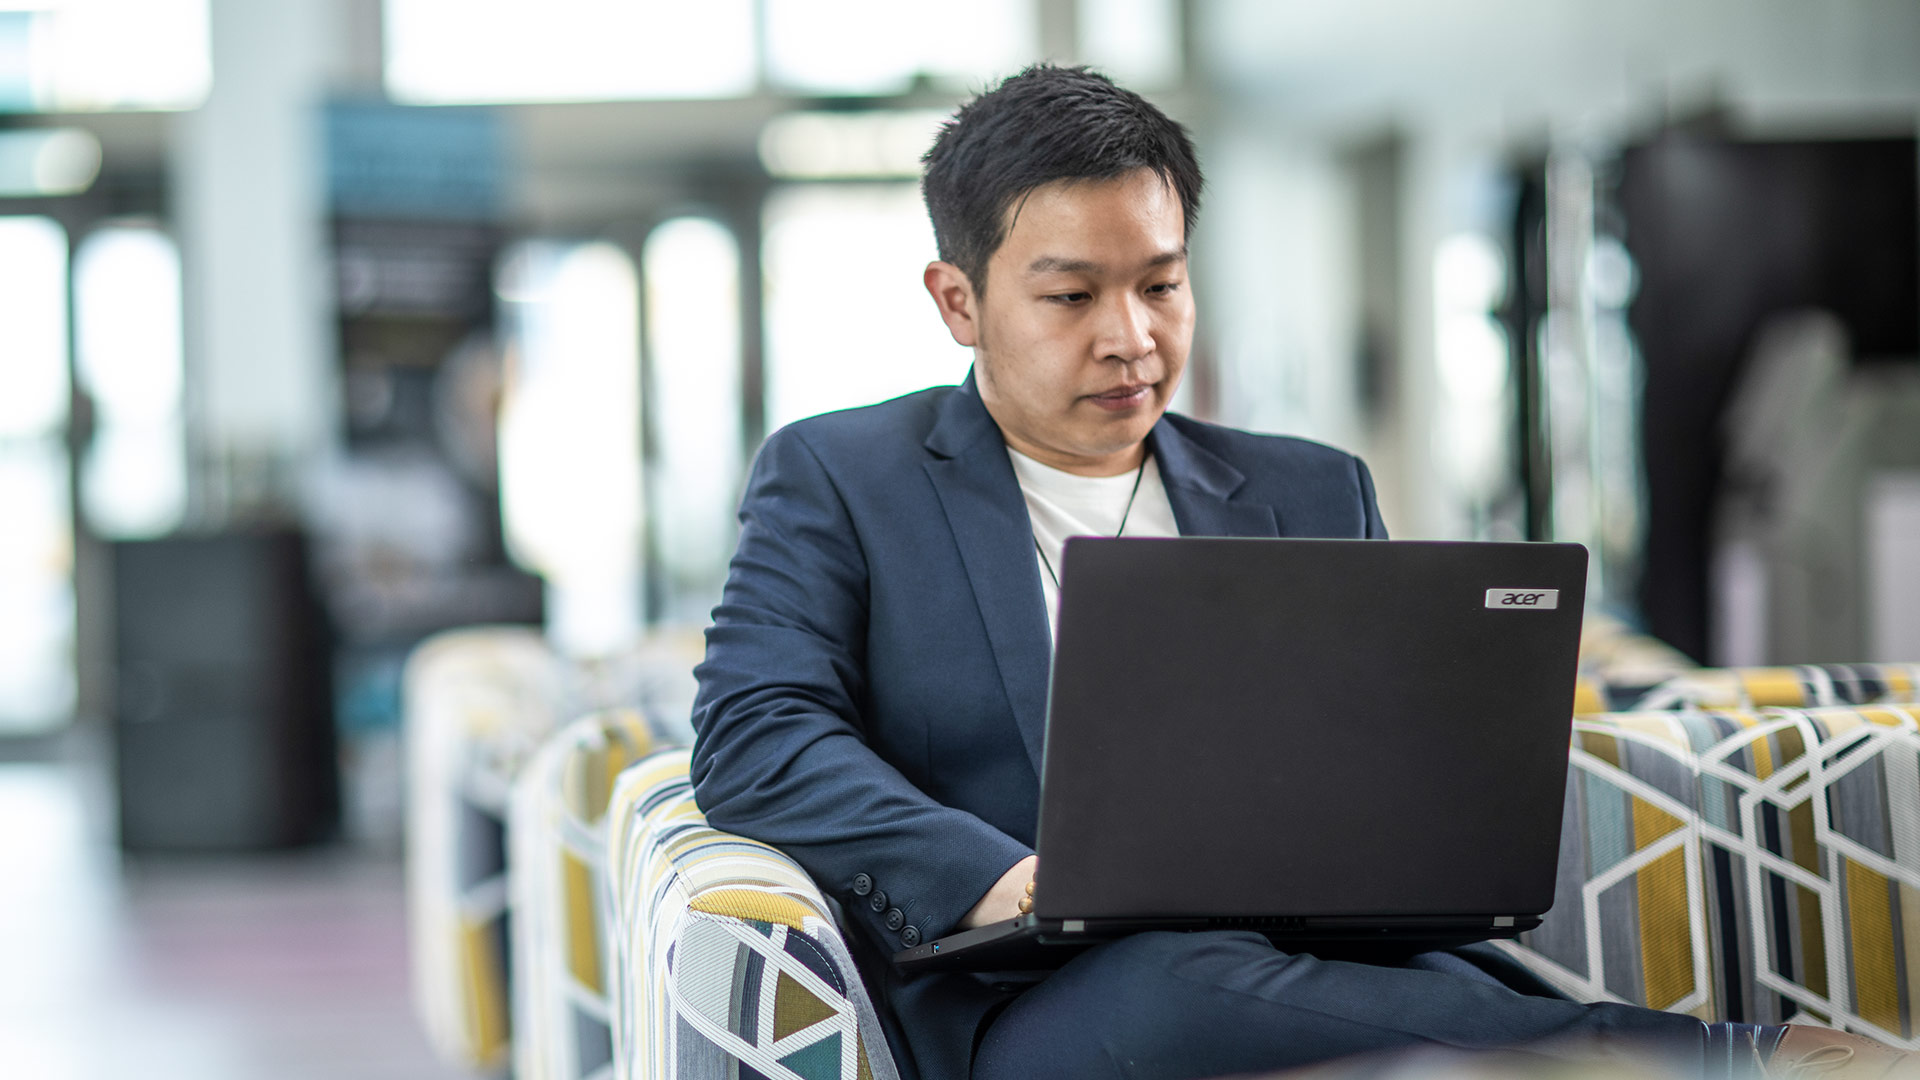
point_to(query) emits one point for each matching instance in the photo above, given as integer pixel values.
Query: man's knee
(1146, 1005)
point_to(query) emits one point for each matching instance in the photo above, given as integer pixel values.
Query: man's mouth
(1123, 397)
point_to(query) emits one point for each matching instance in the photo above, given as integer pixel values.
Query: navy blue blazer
(874, 691)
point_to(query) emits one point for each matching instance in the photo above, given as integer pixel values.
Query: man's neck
(1115, 464)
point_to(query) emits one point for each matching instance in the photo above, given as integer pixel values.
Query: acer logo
(1529, 599)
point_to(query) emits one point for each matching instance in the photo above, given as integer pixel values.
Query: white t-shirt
(1062, 504)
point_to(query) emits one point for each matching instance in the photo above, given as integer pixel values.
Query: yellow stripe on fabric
(1793, 745)
(1715, 688)
(755, 905)
(1876, 978)
(664, 769)
(620, 753)
(1666, 937)
(1773, 686)
(1806, 853)
(795, 1008)
(1835, 722)
(1810, 933)
(1587, 699)
(1883, 717)
(1761, 750)
(1910, 940)
(1656, 726)
(486, 988)
(608, 744)
(1899, 683)
(685, 853)
(1604, 747)
(1650, 823)
(583, 923)
(1762, 747)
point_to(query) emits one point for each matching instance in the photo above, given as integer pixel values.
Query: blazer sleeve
(1376, 529)
(782, 751)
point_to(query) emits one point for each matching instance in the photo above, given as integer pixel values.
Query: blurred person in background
(873, 695)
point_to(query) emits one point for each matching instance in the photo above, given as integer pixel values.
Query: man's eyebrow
(1055, 264)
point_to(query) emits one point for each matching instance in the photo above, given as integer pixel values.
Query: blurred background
(330, 325)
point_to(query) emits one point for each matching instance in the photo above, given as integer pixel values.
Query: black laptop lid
(1260, 727)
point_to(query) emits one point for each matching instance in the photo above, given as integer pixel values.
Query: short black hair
(1043, 125)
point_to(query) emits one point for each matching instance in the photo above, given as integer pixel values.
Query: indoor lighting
(48, 161)
(848, 146)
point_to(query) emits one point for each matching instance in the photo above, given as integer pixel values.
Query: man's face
(1082, 333)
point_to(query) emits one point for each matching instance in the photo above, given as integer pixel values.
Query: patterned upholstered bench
(729, 957)
(1745, 864)
(478, 703)
(558, 885)
(1800, 687)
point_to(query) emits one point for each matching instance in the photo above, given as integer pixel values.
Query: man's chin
(1122, 438)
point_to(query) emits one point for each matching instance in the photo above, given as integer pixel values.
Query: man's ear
(953, 294)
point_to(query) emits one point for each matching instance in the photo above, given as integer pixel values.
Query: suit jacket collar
(974, 480)
(1201, 484)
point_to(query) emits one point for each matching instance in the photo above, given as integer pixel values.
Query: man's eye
(1164, 288)
(1068, 298)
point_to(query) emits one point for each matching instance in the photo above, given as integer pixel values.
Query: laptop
(1342, 744)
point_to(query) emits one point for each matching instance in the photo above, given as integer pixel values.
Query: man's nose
(1126, 329)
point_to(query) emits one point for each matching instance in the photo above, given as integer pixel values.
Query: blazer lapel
(974, 480)
(1200, 485)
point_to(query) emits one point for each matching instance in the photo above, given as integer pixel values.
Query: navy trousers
(1175, 1006)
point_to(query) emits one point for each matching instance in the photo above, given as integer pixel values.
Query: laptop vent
(1257, 922)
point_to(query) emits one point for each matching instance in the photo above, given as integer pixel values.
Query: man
(872, 700)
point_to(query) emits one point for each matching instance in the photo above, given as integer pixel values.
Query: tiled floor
(290, 967)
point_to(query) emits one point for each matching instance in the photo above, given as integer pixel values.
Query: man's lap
(1209, 1004)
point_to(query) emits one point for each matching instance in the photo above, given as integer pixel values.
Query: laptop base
(1036, 943)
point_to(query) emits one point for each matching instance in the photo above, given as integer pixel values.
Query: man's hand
(1002, 902)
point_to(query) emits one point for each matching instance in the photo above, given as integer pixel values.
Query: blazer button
(896, 919)
(910, 936)
(862, 884)
(878, 901)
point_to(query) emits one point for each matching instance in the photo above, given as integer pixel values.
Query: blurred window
(441, 52)
(694, 460)
(847, 321)
(879, 46)
(33, 328)
(874, 144)
(570, 485)
(1137, 42)
(47, 161)
(36, 542)
(1474, 419)
(97, 55)
(126, 301)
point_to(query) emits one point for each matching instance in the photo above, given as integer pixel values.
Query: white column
(249, 205)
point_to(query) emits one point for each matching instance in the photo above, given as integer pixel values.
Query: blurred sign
(397, 161)
(414, 269)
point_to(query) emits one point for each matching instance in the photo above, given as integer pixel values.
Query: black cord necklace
(1138, 475)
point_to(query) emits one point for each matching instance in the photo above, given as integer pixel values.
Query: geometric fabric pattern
(1804, 686)
(727, 960)
(1630, 919)
(476, 704)
(1755, 864)
(559, 896)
